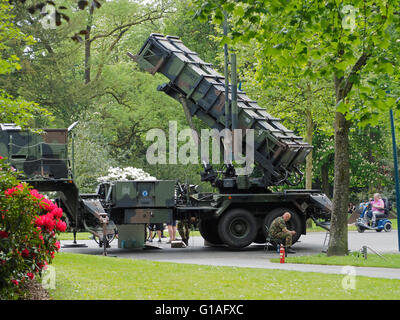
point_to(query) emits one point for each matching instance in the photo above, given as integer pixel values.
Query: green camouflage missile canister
(277, 149)
(144, 201)
(37, 155)
(143, 194)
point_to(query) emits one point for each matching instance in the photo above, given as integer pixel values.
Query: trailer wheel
(237, 228)
(260, 237)
(209, 231)
(293, 224)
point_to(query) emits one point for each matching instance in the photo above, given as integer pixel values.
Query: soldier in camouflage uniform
(278, 230)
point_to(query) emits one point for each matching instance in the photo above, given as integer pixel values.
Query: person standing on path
(171, 228)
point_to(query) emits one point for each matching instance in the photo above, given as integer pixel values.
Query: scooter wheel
(360, 230)
(387, 227)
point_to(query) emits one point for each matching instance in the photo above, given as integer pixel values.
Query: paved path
(255, 256)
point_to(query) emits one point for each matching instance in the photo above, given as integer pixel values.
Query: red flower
(47, 205)
(57, 245)
(3, 234)
(61, 226)
(35, 194)
(20, 187)
(39, 221)
(10, 192)
(15, 282)
(47, 221)
(25, 253)
(57, 213)
(30, 275)
(41, 265)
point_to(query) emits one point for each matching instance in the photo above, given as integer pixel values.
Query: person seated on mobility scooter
(377, 210)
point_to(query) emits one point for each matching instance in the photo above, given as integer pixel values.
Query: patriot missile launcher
(278, 152)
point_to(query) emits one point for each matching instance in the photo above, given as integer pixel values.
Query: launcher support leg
(104, 221)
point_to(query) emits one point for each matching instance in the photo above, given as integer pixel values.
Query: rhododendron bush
(29, 223)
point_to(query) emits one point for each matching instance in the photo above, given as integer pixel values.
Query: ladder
(326, 242)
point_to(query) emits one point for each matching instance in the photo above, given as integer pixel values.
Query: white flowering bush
(124, 174)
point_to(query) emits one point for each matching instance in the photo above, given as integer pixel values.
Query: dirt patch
(34, 291)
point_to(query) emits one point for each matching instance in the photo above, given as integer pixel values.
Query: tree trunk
(87, 59)
(309, 138)
(338, 243)
(88, 44)
(309, 159)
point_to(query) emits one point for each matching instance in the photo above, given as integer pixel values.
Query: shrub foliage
(29, 223)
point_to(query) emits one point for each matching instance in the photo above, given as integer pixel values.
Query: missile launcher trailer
(236, 216)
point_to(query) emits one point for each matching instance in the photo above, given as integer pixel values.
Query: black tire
(209, 231)
(293, 224)
(237, 228)
(387, 227)
(260, 237)
(360, 229)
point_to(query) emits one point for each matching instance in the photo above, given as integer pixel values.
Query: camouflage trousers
(184, 230)
(285, 237)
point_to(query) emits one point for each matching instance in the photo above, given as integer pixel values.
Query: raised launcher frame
(277, 150)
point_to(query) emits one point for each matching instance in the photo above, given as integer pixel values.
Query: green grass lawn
(353, 259)
(96, 277)
(70, 236)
